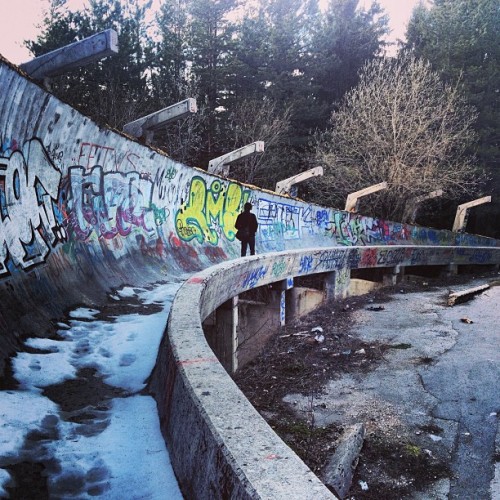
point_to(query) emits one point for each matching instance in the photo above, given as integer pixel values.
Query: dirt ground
(301, 360)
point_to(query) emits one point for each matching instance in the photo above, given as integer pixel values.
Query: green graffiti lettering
(210, 212)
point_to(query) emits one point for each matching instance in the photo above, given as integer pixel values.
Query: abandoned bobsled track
(86, 210)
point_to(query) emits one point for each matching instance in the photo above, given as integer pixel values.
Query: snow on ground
(117, 452)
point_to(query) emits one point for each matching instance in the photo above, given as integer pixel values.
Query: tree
(169, 72)
(256, 120)
(114, 90)
(461, 39)
(402, 125)
(210, 45)
(344, 38)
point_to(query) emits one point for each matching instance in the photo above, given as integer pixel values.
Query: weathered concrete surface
(188, 382)
(341, 466)
(85, 209)
(455, 389)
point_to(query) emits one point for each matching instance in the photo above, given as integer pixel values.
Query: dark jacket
(246, 220)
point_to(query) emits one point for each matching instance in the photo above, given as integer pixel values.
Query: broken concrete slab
(464, 295)
(340, 468)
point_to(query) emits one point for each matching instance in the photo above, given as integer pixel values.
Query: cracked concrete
(441, 392)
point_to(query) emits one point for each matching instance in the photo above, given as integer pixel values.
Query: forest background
(316, 84)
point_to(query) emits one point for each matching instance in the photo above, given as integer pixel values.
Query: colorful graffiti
(351, 229)
(29, 189)
(279, 268)
(210, 211)
(278, 220)
(40, 207)
(108, 204)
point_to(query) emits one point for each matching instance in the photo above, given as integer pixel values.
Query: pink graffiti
(109, 204)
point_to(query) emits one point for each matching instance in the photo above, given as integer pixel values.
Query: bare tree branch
(401, 125)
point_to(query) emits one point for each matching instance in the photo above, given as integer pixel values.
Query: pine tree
(461, 39)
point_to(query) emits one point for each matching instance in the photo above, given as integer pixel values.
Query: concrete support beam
(393, 274)
(224, 339)
(72, 56)
(284, 186)
(351, 204)
(462, 212)
(330, 285)
(464, 295)
(420, 199)
(146, 126)
(220, 165)
(336, 283)
(285, 285)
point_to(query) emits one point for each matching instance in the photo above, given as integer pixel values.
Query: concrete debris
(464, 295)
(319, 339)
(364, 485)
(340, 469)
(435, 438)
(375, 308)
(317, 329)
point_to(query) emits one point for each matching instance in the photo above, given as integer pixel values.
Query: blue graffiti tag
(251, 278)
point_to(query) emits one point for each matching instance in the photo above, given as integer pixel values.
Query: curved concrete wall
(84, 208)
(231, 451)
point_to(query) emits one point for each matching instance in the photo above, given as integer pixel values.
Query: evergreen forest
(318, 83)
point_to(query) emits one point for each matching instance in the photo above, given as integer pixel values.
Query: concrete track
(85, 210)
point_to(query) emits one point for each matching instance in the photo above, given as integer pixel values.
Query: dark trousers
(250, 241)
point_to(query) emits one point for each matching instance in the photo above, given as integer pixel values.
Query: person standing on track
(246, 224)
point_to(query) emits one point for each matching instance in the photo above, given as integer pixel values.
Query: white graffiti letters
(28, 225)
(109, 203)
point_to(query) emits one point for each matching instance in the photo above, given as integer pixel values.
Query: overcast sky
(20, 18)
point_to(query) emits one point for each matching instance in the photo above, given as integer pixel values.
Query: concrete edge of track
(220, 447)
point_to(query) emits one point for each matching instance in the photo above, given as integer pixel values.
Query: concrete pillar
(285, 186)
(329, 285)
(147, 125)
(285, 286)
(69, 57)
(393, 275)
(225, 340)
(337, 283)
(462, 212)
(220, 165)
(351, 204)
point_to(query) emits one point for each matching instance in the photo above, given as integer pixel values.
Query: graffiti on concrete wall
(29, 189)
(210, 211)
(39, 207)
(352, 229)
(475, 255)
(108, 204)
(91, 154)
(251, 278)
(278, 220)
